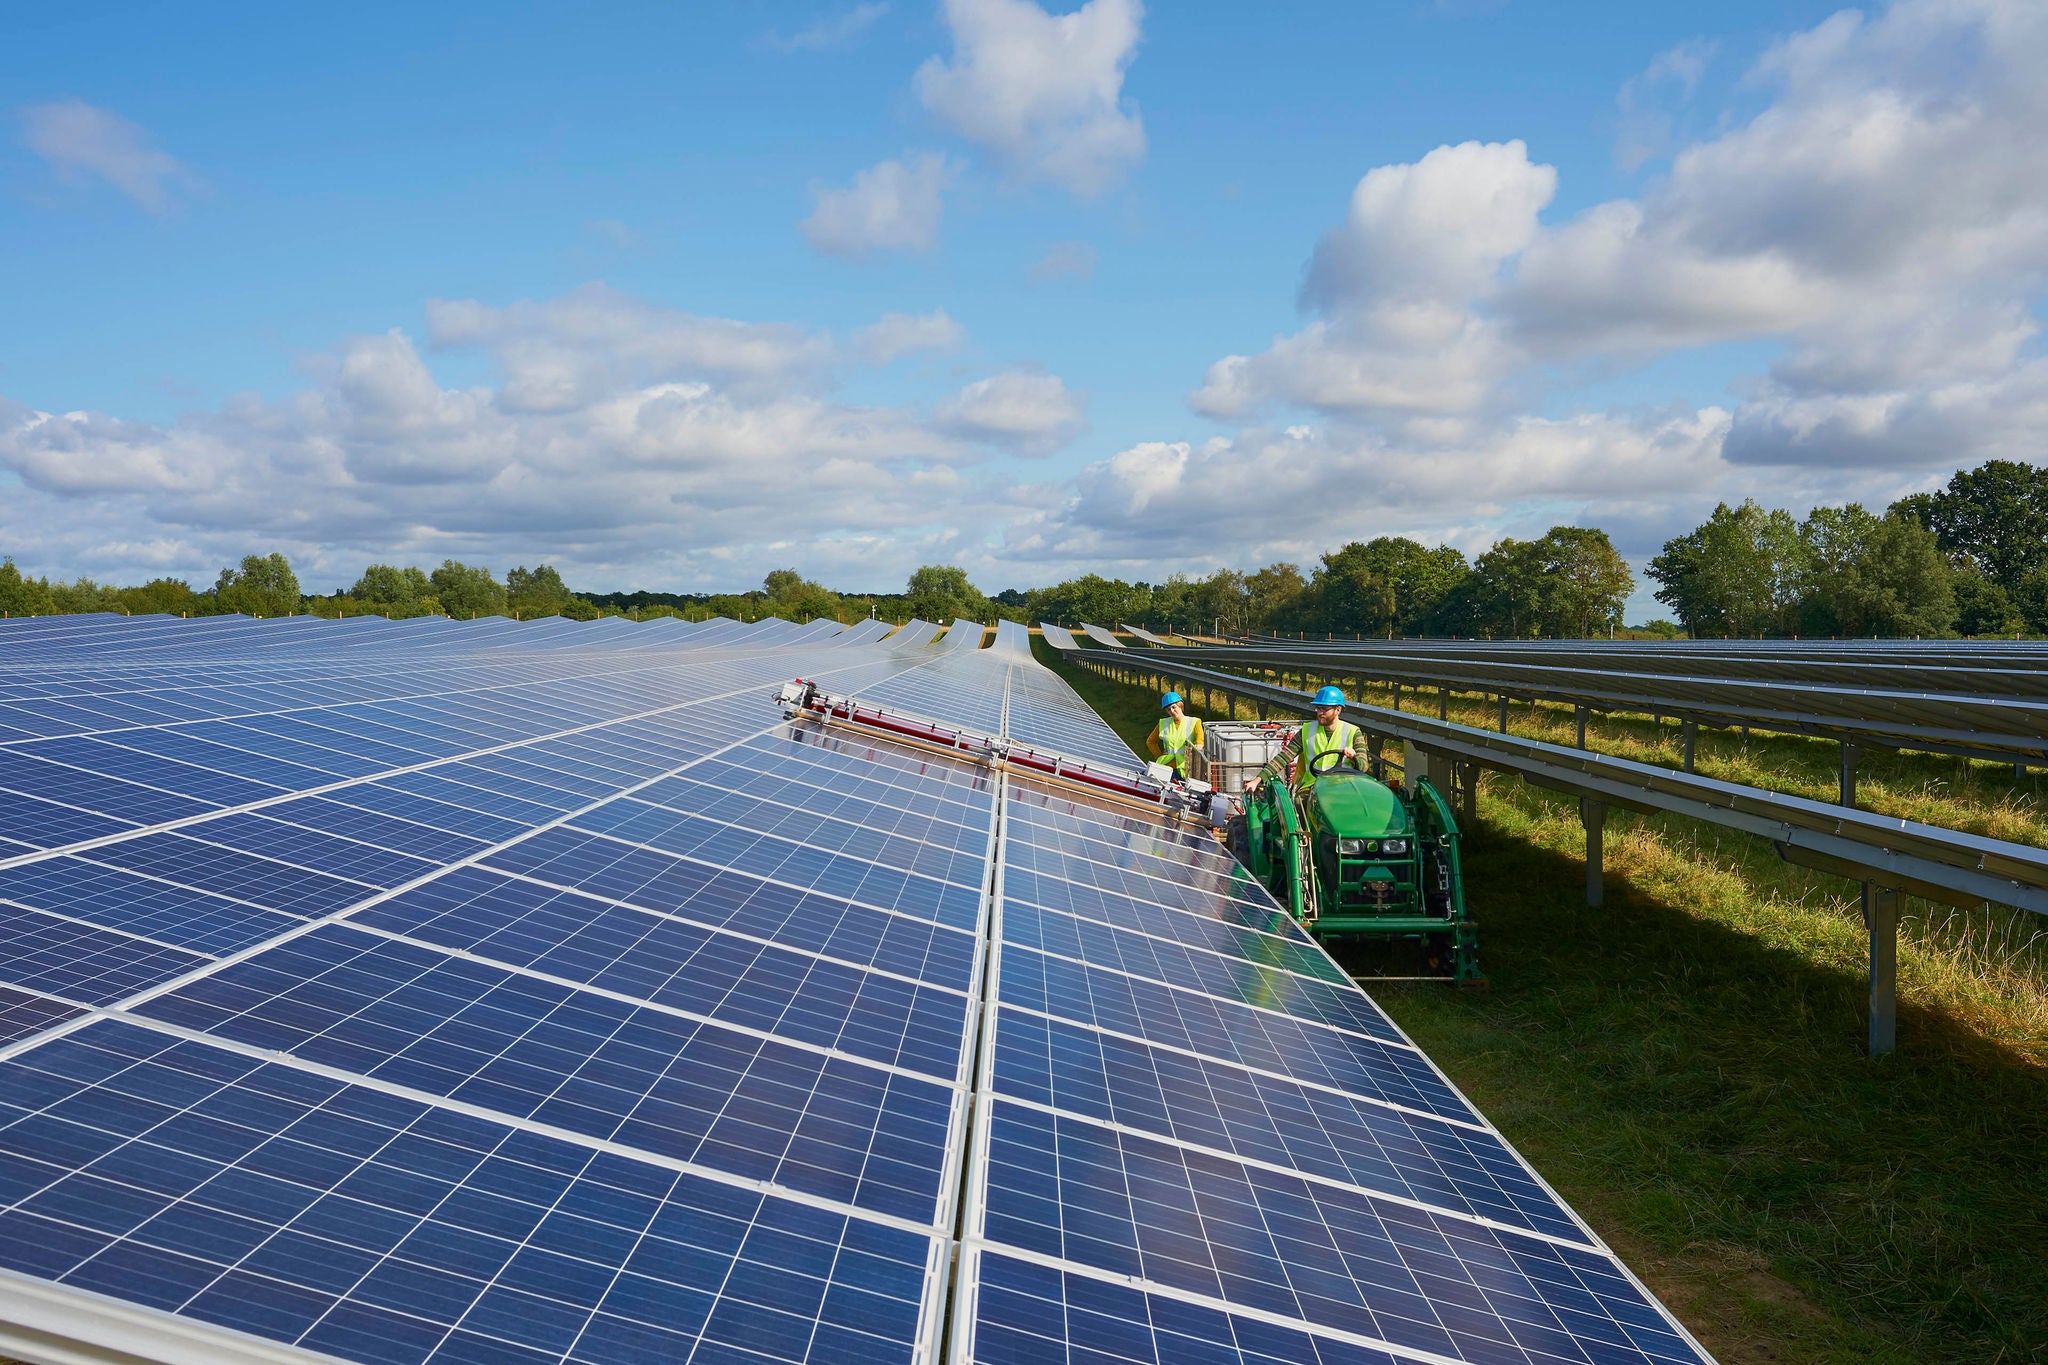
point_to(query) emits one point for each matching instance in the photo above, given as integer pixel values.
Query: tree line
(1971, 558)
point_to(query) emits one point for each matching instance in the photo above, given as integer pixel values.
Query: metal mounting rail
(1974, 724)
(1888, 855)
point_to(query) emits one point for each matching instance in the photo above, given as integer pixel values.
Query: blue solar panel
(532, 992)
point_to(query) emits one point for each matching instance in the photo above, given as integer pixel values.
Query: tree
(1094, 599)
(1585, 581)
(1510, 588)
(264, 585)
(941, 593)
(1220, 601)
(1385, 586)
(1995, 514)
(168, 596)
(1274, 596)
(395, 592)
(467, 591)
(1982, 606)
(1740, 573)
(537, 592)
(1870, 575)
(795, 598)
(2030, 599)
(23, 596)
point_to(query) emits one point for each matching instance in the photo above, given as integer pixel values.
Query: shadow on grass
(1704, 1099)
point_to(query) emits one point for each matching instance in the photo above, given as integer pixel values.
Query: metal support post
(1579, 715)
(1503, 713)
(1881, 914)
(1443, 703)
(1593, 815)
(1688, 731)
(1376, 756)
(1850, 753)
(1397, 696)
(1468, 789)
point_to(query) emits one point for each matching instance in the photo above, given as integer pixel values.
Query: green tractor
(1354, 858)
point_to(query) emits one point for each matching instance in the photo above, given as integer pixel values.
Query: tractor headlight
(1393, 846)
(1351, 845)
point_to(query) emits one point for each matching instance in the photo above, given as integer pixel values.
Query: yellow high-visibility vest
(1313, 742)
(1176, 738)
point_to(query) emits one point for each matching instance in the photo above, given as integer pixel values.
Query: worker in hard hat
(1177, 734)
(1328, 733)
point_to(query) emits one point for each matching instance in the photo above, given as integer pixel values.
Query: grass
(1686, 1063)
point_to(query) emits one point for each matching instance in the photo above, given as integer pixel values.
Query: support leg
(1847, 790)
(1593, 815)
(1579, 715)
(1443, 703)
(1881, 913)
(1397, 696)
(1689, 732)
(1503, 713)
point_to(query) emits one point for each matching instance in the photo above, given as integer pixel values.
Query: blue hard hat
(1329, 696)
(1169, 699)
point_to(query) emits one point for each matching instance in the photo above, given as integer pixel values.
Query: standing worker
(1328, 733)
(1177, 734)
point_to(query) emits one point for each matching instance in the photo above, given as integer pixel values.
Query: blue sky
(606, 285)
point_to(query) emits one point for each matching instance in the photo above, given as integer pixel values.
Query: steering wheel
(1317, 766)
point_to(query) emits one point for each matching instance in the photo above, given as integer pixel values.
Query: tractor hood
(1351, 805)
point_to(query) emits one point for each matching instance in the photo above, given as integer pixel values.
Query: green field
(1686, 1064)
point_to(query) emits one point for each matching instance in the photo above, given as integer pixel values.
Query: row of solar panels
(1996, 709)
(470, 1002)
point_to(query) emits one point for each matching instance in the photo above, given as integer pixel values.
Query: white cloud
(675, 449)
(1886, 214)
(901, 334)
(80, 140)
(1023, 410)
(834, 31)
(566, 352)
(1396, 284)
(1884, 217)
(891, 206)
(1043, 92)
(1064, 261)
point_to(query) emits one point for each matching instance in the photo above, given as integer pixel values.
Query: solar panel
(533, 992)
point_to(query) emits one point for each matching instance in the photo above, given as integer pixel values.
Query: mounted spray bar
(1155, 786)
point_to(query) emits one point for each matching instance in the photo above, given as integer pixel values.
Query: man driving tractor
(1177, 735)
(1306, 751)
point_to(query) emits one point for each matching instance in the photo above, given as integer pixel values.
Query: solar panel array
(501, 992)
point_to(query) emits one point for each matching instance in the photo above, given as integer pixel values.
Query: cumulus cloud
(901, 334)
(1024, 410)
(832, 31)
(1042, 92)
(81, 141)
(1397, 285)
(624, 439)
(568, 351)
(1886, 214)
(891, 206)
(1883, 218)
